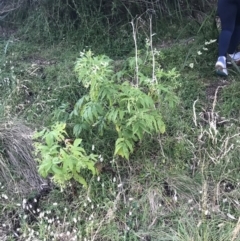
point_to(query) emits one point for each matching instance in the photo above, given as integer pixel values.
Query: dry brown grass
(17, 165)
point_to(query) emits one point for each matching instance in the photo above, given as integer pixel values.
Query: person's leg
(227, 11)
(235, 39)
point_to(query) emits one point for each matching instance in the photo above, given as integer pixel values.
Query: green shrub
(127, 101)
(62, 158)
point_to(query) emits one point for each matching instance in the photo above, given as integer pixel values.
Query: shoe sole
(219, 71)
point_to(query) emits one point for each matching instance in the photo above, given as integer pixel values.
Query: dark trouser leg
(235, 40)
(227, 10)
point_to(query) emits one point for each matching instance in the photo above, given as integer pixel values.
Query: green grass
(181, 185)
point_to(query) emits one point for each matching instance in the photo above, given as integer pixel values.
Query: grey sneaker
(221, 66)
(235, 57)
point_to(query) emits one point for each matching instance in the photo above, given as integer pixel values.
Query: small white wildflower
(175, 198)
(4, 225)
(93, 147)
(85, 205)
(68, 233)
(35, 200)
(92, 206)
(65, 209)
(18, 204)
(205, 49)
(212, 41)
(5, 196)
(231, 216)
(190, 201)
(88, 198)
(55, 204)
(199, 52)
(41, 215)
(114, 179)
(120, 185)
(206, 212)
(130, 213)
(74, 220)
(191, 65)
(98, 178)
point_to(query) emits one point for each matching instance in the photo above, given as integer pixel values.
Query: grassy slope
(180, 186)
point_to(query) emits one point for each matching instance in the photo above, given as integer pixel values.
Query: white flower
(5, 196)
(199, 52)
(205, 48)
(230, 216)
(41, 215)
(212, 41)
(120, 185)
(55, 204)
(206, 212)
(191, 65)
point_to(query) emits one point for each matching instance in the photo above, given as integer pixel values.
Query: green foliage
(58, 157)
(113, 102)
